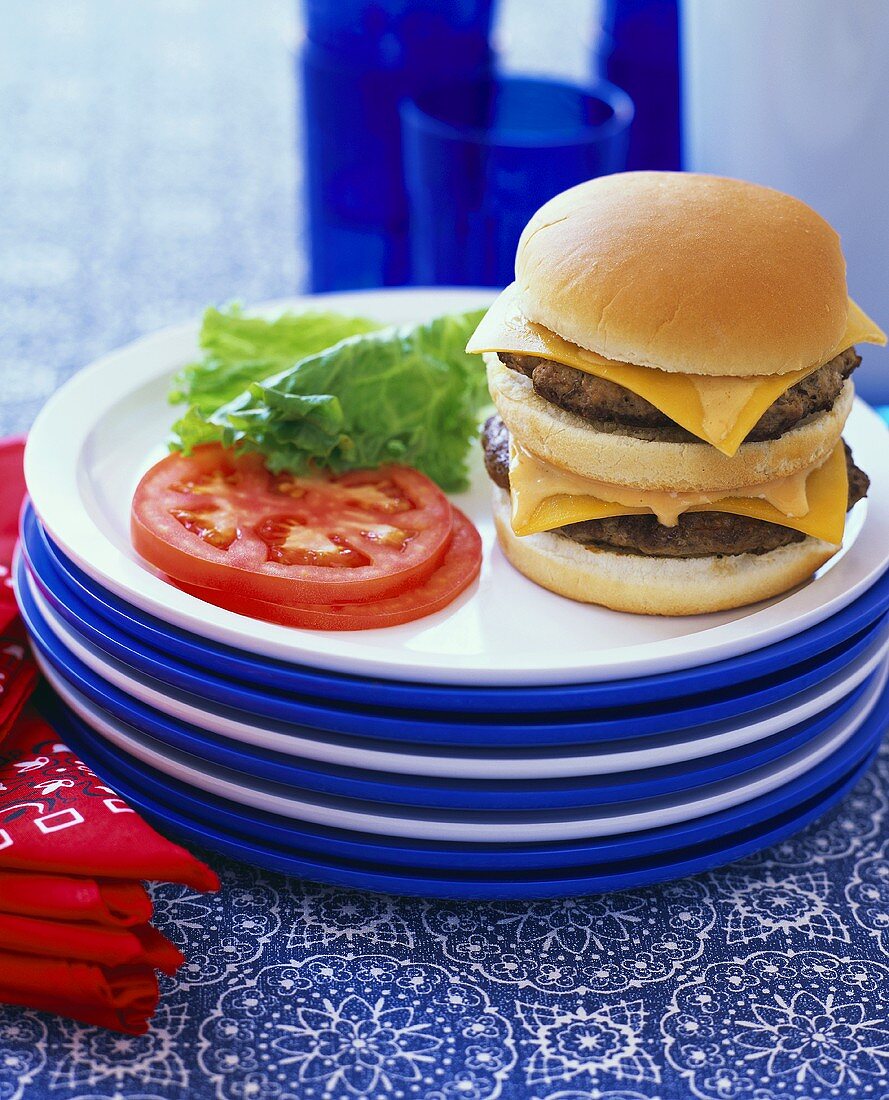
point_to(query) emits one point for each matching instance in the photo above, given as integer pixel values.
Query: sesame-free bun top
(684, 272)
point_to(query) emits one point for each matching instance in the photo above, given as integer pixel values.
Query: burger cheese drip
(545, 497)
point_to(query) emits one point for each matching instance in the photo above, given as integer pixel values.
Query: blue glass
(482, 156)
(642, 56)
(361, 58)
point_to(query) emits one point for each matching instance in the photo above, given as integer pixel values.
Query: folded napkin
(18, 675)
(74, 937)
(122, 998)
(114, 902)
(58, 816)
(62, 834)
(12, 493)
(141, 945)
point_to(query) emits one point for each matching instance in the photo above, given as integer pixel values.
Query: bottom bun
(648, 585)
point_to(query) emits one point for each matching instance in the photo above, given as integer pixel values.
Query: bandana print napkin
(142, 945)
(12, 493)
(116, 903)
(122, 998)
(18, 673)
(58, 816)
(74, 932)
(113, 902)
(18, 676)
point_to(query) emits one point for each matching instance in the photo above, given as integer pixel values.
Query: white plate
(106, 426)
(301, 742)
(511, 828)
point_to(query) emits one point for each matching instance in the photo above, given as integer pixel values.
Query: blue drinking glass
(360, 60)
(641, 55)
(482, 156)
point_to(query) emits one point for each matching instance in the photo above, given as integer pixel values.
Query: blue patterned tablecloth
(148, 169)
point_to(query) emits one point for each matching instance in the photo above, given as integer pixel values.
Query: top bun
(684, 272)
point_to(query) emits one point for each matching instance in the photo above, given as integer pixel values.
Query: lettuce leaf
(408, 394)
(241, 350)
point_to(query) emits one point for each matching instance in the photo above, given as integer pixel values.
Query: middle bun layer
(639, 459)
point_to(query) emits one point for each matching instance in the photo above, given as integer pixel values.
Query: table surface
(149, 169)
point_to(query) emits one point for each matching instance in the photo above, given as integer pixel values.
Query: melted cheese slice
(721, 411)
(545, 497)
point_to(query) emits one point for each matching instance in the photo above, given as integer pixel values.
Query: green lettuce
(408, 394)
(240, 350)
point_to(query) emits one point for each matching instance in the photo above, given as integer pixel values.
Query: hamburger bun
(654, 585)
(637, 458)
(686, 272)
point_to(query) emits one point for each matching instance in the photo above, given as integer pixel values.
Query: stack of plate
(516, 744)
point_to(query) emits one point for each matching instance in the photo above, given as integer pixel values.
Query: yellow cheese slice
(812, 501)
(721, 411)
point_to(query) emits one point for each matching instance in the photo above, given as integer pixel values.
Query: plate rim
(438, 732)
(476, 765)
(405, 824)
(496, 699)
(376, 786)
(546, 886)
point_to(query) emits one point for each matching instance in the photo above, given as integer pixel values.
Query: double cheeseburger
(672, 372)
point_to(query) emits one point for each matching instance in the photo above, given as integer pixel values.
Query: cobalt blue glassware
(411, 34)
(481, 156)
(123, 630)
(641, 55)
(360, 59)
(245, 833)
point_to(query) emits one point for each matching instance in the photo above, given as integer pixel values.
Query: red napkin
(90, 942)
(12, 493)
(18, 674)
(122, 998)
(73, 916)
(113, 902)
(58, 816)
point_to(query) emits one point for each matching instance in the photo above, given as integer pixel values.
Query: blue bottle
(642, 57)
(360, 60)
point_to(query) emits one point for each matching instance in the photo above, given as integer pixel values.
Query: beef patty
(698, 534)
(597, 400)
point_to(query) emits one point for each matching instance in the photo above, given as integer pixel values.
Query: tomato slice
(458, 570)
(220, 520)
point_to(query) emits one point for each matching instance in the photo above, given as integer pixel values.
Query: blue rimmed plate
(606, 772)
(516, 825)
(473, 794)
(475, 856)
(124, 630)
(302, 745)
(425, 728)
(232, 834)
